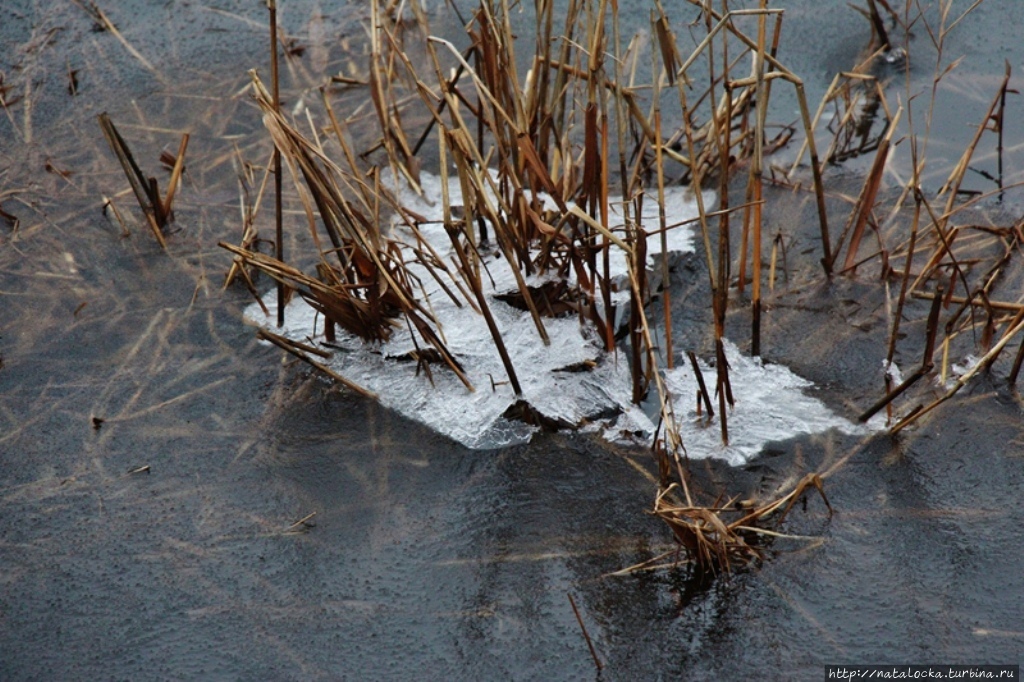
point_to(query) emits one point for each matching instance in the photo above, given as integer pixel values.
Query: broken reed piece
(176, 170)
(723, 388)
(103, 23)
(158, 211)
(700, 382)
(302, 525)
(866, 202)
(893, 394)
(878, 26)
(1017, 361)
(998, 124)
(302, 351)
(586, 636)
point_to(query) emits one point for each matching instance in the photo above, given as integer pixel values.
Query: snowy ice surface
(771, 403)
(475, 418)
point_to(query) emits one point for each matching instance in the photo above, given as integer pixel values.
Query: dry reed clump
(716, 543)
(557, 133)
(575, 124)
(535, 155)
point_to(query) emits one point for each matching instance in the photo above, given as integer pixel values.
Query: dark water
(159, 542)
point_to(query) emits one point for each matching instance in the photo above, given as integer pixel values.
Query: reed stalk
(276, 161)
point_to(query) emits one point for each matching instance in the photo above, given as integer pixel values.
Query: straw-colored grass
(576, 123)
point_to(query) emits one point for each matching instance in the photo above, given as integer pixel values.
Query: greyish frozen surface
(772, 403)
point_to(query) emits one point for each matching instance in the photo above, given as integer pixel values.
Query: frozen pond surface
(155, 459)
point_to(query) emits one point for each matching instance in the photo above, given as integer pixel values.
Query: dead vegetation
(536, 153)
(941, 253)
(712, 541)
(155, 207)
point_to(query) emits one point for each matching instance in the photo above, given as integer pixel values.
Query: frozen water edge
(475, 418)
(572, 382)
(772, 404)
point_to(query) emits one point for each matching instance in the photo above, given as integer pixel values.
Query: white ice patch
(448, 407)
(892, 372)
(771, 404)
(958, 370)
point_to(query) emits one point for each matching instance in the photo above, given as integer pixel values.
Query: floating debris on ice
(571, 383)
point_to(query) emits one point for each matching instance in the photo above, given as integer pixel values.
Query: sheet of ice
(771, 403)
(474, 418)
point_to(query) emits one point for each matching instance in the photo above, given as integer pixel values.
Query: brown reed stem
(700, 383)
(723, 389)
(278, 210)
(904, 281)
(144, 189)
(1017, 361)
(590, 644)
(757, 166)
(662, 224)
(878, 26)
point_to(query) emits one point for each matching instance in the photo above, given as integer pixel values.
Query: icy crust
(772, 403)
(548, 375)
(571, 383)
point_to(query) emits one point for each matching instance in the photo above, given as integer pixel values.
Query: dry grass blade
(302, 352)
(156, 210)
(176, 170)
(866, 202)
(103, 23)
